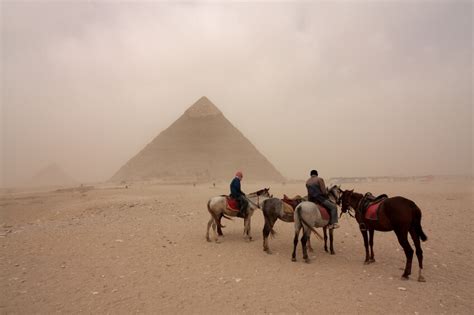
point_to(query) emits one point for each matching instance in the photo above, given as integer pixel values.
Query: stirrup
(362, 227)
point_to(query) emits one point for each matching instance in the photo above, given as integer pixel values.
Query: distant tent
(202, 145)
(52, 175)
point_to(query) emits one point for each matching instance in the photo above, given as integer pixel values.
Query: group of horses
(396, 214)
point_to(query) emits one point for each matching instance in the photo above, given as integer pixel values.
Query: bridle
(348, 208)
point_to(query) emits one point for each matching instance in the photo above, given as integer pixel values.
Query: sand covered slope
(143, 250)
(202, 145)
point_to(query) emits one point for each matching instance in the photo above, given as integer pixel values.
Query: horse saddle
(371, 205)
(232, 204)
(289, 204)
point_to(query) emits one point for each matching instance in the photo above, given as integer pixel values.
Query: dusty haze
(349, 88)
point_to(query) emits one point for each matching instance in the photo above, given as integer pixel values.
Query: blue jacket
(235, 191)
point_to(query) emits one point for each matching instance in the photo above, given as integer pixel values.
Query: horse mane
(259, 192)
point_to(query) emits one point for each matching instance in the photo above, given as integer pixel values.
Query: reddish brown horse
(396, 214)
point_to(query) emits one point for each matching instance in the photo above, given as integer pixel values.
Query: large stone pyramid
(202, 145)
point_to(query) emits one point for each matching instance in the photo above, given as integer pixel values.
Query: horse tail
(302, 220)
(417, 224)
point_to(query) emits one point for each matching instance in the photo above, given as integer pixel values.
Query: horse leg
(247, 228)
(402, 236)
(325, 230)
(419, 253)
(219, 229)
(331, 241)
(304, 239)
(371, 243)
(267, 229)
(366, 244)
(214, 229)
(208, 227)
(310, 248)
(295, 243)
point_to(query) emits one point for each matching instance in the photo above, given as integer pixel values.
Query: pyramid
(202, 145)
(52, 175)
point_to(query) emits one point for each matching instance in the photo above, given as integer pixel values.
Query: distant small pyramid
(52, 175)
(202, 145)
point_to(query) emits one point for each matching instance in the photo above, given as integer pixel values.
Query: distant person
(238, 194)
(317, 193)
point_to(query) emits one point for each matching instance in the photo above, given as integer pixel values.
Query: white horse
(273, 210)
(217, 207)
(307, 216)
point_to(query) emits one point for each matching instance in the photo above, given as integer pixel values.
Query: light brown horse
(217, 207)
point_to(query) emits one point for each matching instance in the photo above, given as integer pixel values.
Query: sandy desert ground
(143, 250)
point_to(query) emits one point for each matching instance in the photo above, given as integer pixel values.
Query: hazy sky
(349, 87)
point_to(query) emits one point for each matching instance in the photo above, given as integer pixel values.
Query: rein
(253, 203)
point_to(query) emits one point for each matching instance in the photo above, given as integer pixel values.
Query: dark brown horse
(396, 214)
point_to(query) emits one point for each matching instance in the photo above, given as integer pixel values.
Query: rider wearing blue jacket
(238, 194)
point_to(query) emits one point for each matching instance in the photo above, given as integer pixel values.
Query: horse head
(265, 192)
(336, 193)
(345, 200)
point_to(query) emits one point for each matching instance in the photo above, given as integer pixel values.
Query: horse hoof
(405, 278)
(421, 279)
(371, 260)
(306, 260)
(366, 262)
(208, 239)
(333, 253)
(269, 252)
(293, 259)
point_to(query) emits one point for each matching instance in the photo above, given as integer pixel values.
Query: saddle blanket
(371, 213)
(324, 213)
(287, 208)
(232, 204)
